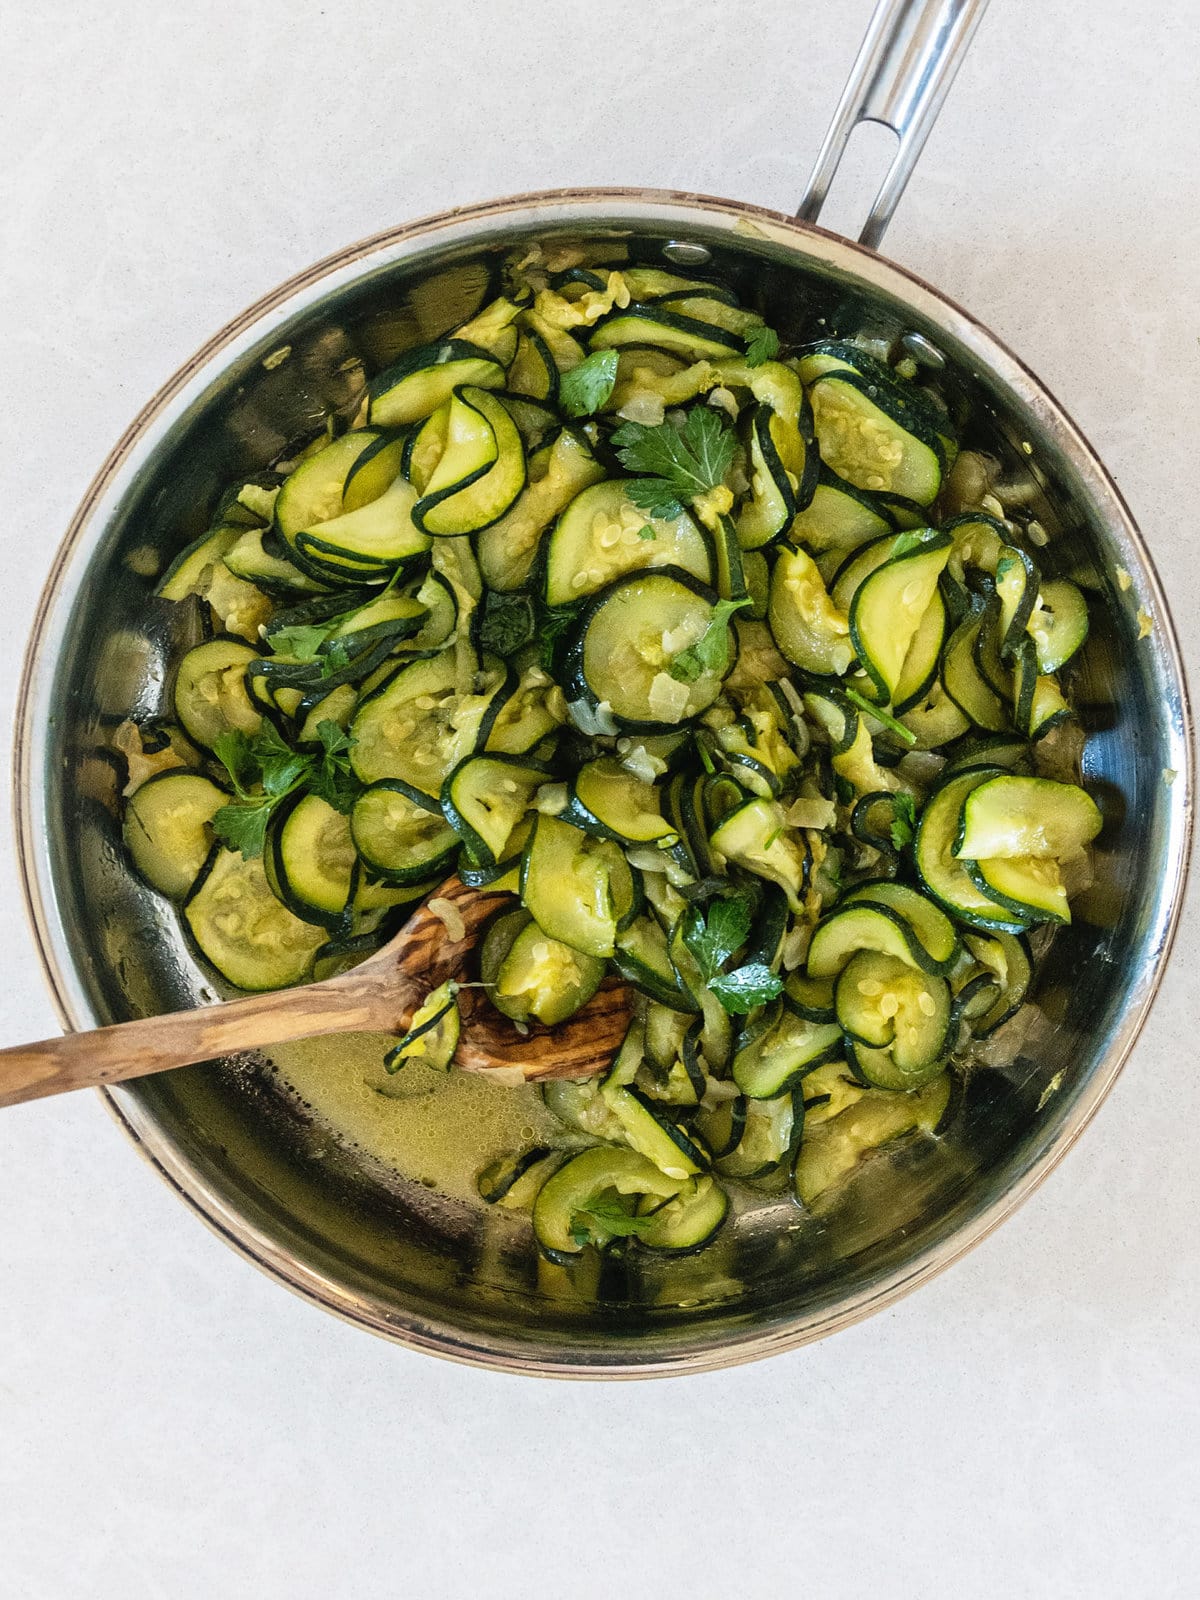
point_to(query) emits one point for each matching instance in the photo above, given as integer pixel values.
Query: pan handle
(900, 78)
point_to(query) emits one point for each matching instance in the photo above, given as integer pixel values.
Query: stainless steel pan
(389, 1255)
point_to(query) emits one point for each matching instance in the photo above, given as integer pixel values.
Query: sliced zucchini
(417, 726)
(965, 684)
(664, 330)
(579, 1203)
(780, 1049)
(783, 466)
(168, 827)
(1006, 958)
(688, 1222)
(872, 441)
(611, 802)
(423, 379)
(1031, 887)
(311, 858)
(757, 836)
(930, 924)
(249, 559)
(897, 1018)
(1013, 816)
(500, 1182)
(192, 569)
(479, 471)
(312, 492)
(650, 1130)
(210, 691)
(809, 997)
(807, 626)
(945, 878)
(575, 886)
(557, 474)
(485, 797)
(886, 614)
(1058, 624)
(543, 980)
(603, 535)
(832, 1150)
(643, 958)
(433, 1033)
(769, 1131)
(635, 651)
(863, 926)
(400, 833)
(839, 516)
(380, 534)
(242, 930)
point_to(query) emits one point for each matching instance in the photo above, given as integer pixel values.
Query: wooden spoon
(378, 996)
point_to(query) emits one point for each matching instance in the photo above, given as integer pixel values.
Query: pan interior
(392, 1252)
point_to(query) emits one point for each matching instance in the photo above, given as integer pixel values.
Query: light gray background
(171, 1423)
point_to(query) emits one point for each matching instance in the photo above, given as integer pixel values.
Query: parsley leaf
(904, 819)
(678, 465)
(712, 939)
(607, 1215)
(747, 987)
(331, 776)
(761, 346)
(508, 623)
(646, 532)
(586, 387)
(710, 653)
(242, 825)
(303, 640)
(232, 750)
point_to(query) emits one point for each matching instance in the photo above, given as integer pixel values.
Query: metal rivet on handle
(684, 253)
(922, 351)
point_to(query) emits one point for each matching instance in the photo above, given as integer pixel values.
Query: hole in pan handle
(901, 76)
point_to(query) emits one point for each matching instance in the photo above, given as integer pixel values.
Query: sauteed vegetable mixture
(712, 657)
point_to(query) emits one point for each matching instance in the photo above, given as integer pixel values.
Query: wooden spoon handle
(363, 1001)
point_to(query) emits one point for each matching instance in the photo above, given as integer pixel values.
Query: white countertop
(174, 1425)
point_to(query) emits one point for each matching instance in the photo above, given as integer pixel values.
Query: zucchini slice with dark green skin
(312, 492)
(602, 535)
(508, 549)
(1030, 887)
(689, 1222)
(243, 930)
(722, 1126)
(810, 997)
(779, 1049)
(886, 613)
(756, 836)
(480, 469)
(965, 684)
(770, 1131)
(1008, 815)
(663, 329)
(424, 378)
(625, 655)
(576, 886)
(643, 958)
(401, 833)
(249, 559)
(944, 878)
(500, 1178)
(1006, 958)
(1058, 624)
(869, 436)
(830, 1152)
(310, 859)
(650, 1130)
(783, 465)
(930, 924)
(564, 1220)
(432, 1036)
(539, 979)
(807, 625)
(613, 803)
(168, 827)
(210, 690)
(898, 1020)
(485, 797)
(839, 516)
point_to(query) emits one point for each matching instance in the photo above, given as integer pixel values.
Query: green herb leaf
(232, 750)
(881, 715)
(336, 656)
(331, 775)
(710, 653)
(904, 819)
(911, 539)
(714, 937)
(646, 532)
(303, 640)
(508, 623)
(761, 346)
(678, 465)
(242, 825)
(586, 387)
(609, 1216)
(748, 987)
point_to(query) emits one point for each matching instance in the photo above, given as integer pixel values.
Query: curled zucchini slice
(167, 828)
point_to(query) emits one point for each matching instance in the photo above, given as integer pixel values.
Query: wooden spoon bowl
(378, 996)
